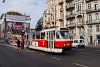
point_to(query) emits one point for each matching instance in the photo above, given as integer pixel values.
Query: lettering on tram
(51, 40)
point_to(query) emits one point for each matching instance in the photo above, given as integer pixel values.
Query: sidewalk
(93, 46)
(12, 46)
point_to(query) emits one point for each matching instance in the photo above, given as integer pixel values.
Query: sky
(34, 8)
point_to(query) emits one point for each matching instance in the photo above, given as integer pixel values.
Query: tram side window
(14, 38)
(38, 36)
(43, 35)
(33, 36)
(57, 35)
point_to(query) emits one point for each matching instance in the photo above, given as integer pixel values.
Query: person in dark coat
(18, 43)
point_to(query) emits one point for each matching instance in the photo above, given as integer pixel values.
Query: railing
(81, 23)
(93, 9)
(68, 0)
(60, 18)
(71, 25)
(75, 24)
(61, 9)
(80, 12)
(93, 21)
(70, 15)
(70, 5)
(90, 0)
(60, 1)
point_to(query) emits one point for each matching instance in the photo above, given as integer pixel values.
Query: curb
(92, 46)
(13, 46)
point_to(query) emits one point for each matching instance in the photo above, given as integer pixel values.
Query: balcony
(61, 9)
(68, 1)
(90, 0)
(60, 1)
(80, 24)
(93, 22)
(93, 9)
(71, 15)
(60, 18)
(70, 6)
(71, 25)
(80, 13)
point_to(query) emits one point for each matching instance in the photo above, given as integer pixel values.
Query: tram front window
(62, 35)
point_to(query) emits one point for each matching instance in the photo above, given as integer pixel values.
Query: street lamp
(3, 1)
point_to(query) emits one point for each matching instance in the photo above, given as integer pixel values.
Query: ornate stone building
(82, 17)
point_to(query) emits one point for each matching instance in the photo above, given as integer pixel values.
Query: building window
(90, 17)
(97, 16)
(97, 28)
(90, 28)
(96, 6)
(89, 5)
(80, 7)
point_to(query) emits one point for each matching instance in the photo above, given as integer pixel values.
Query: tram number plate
(35, 44)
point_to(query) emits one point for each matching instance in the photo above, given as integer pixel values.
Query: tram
(14, 38)
(51, 40)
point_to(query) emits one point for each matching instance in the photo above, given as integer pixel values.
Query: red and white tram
(51, 40)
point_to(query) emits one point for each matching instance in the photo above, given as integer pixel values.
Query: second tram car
(13, 39)
(51, 40)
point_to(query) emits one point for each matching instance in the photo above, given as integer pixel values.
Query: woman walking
(22, 43)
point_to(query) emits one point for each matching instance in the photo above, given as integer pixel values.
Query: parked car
(78, 43)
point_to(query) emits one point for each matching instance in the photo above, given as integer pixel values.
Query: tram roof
(53, 29)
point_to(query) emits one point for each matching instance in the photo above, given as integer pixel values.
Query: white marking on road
(55, 58)
(41, 53)
(97, 50)
(80, 65)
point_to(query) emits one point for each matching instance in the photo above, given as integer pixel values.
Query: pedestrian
(22, 43)
(28, 43)
(25, 43)
(97, 42)
(18, 43)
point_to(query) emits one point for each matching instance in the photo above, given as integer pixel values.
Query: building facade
(14, 23)
(82, 17)
(93, 20)
(54, 14)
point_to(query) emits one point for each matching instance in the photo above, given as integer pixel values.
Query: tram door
(50, 38)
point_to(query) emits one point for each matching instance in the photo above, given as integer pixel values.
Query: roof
(14, 13)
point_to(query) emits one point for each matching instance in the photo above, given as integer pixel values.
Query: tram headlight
(64, 44)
